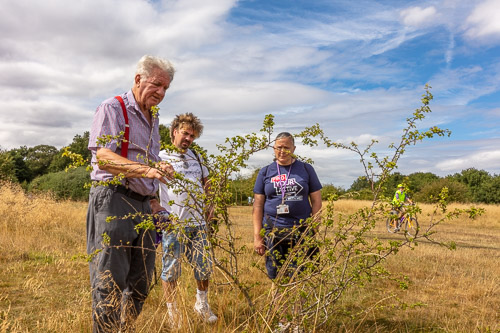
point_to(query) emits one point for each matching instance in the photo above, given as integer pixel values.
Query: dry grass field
(44, 283)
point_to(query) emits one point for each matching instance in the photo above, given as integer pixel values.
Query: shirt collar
(132, 102)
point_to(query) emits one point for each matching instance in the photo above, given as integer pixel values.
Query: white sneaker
(283, 327)
(174, 317)
(203, 309)
(288, 327)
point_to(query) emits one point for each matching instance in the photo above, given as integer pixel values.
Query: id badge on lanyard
(283, 208)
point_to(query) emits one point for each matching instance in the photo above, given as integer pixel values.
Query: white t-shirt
(185, 208)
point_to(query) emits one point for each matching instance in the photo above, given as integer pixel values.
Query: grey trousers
(122, 258)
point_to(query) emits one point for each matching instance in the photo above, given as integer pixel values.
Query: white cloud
(462, 85)
(449, 51)
(418, 16)
(484, 22)
(59, 67)
(478, 160)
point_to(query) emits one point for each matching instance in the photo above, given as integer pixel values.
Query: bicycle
(407, 221)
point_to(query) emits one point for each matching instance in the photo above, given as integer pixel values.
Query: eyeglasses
(283, 149)
(185, 164)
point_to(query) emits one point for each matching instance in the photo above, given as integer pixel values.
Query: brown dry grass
(42, 288)
(44, 283)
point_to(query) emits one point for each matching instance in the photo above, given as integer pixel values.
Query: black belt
(131, 194)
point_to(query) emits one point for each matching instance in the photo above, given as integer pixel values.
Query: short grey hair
(284, 135)
(148, 63)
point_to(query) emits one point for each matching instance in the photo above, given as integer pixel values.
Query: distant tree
(474, 180)
(22, 171)
(457, 192)
(7, 167)
(417, 180)
(38, 159)
(472, 177)
(59, 162)
(79, 145)
(242, 187)
(361, 189)
(364, 194)
(165, 135)
(330, 191)
(360, 184)
(489, 192)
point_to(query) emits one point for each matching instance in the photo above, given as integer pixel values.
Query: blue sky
(357, 68)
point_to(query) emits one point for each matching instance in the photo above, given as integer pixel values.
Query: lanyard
(283, 183)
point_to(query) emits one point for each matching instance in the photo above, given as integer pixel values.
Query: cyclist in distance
(399, 200)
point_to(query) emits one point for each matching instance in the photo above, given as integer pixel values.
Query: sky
(357, 68)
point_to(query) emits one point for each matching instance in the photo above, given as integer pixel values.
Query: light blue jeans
(192, 241)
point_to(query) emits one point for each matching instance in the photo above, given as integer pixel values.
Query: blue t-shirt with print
(298, 180)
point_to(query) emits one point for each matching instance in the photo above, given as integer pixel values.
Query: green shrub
(489, 192)
(364, 194)
(331, 190)
(475, 180)
(457, 191)
(64, 185)
(7, 167)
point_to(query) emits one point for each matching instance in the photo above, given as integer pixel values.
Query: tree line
(469, 186)
(42, 168)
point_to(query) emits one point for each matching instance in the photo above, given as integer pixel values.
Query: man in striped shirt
(122, 253)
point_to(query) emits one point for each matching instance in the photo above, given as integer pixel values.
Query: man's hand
(166, 171)
(155, 206)
(116, 164)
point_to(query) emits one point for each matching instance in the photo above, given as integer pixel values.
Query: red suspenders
(126, 136)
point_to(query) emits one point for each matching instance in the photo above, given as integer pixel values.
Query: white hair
(147, 63)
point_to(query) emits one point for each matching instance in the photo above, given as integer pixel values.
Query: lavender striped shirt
(144, 141)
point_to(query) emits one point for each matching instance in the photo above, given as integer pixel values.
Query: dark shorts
(279, 243)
